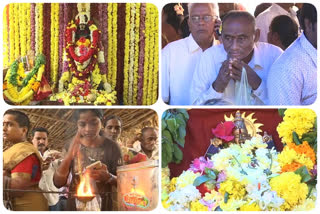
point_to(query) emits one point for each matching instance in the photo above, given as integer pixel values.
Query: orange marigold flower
(291, 167)
(304, 148)
(35, 86)
(5, 85)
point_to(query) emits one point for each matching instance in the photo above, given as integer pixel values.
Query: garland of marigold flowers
(32, 26)
(5, 37)
(12, 23)
(54, 53)
(16, 32)
(126, 56)
(132, 48)
(110, 37)
(114, 44)
(146, 56)
(136, 54)
(40, 28)
(30, 84)
(151, 54)
(155, 30)
(37, 29)
(28, 27)
(22, 29)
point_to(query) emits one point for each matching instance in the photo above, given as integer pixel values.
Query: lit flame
(84, 188)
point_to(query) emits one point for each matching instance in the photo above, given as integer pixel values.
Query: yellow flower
(296, 120)
(250, 207)
(165, 204)
(232, 205)
(289, 187)
(290, 156)
(197, 206)
(308, 205)
(234, 188)
(173, 183)
(186, 178)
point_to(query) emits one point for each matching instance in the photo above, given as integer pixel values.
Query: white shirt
(210, 63)
(46, 181)
(293, 77)
(179, 59)
(264, 19)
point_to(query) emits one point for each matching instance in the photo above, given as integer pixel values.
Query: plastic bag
(243, 90)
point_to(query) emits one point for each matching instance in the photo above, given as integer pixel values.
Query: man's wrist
(111, 177)
(216, 87)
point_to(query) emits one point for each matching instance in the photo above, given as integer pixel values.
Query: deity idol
(83, 52)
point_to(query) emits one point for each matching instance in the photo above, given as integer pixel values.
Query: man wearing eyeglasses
(220, 67)
(180, 57)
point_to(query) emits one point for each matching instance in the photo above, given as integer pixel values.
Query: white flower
(181, 198)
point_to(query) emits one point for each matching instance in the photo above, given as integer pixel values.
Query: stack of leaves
(174, 122)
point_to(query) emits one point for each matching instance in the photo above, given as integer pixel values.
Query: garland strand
(47, 40)
(146, 57)
(114, 44)
(151, 55)
(65, 22)
(126, 56)
(28, 27)
(132, 48)
(156, 57)
(11, 33)
(37, 29)
(22, 28)
(136, 54)
(155, 51)
(16, 31)
(60, 43)
(54, 50)
(141, 53)
(5, 37)
(109, 59)
(32, 23)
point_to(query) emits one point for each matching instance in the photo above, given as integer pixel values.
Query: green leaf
(181, 142)
(296, 138)
(164, 160)
(180, 120)
(167, 137)
(218, 209)
(172, 125)
(281, 111)
(226, 197)
(164, 115)
(210, 173)
(163, 125)
(310, 187)
(304, 173)
(201, 179)
(182, 132)
(177, 153)
(167, 152)
(185, 113)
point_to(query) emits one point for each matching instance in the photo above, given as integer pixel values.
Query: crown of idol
(84, 13)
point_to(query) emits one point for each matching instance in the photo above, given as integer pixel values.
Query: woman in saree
(88, 147)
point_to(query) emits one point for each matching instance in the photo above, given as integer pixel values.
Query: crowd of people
(37, 178)
(240, 59)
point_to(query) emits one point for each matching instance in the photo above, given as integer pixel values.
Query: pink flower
(199, 165)
(224, 131)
